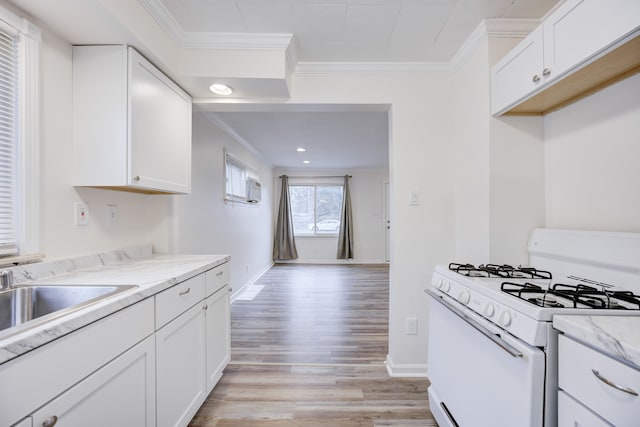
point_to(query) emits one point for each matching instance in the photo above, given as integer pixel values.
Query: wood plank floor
(309, 351)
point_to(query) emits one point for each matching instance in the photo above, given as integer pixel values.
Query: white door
(180, 352)
(218, 335)
(120, 394)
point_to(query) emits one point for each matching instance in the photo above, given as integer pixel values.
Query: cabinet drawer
(176, 300)
(217, 277)
(572, 413)
(576, 376)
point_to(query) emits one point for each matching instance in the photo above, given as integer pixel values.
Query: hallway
(308, 350)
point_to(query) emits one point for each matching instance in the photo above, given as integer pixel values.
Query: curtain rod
(316, 177)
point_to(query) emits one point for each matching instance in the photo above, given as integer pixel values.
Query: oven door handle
(484, 331)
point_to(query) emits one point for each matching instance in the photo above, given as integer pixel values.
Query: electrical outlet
(80, 214)
(412, 326)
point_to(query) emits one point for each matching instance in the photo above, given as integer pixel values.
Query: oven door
(480, 375)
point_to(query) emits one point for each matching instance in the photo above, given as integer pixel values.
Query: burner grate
(576, 296)
(499, 271)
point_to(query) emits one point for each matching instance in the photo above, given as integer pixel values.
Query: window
(19, 44)
(237, 175)
(316, 209)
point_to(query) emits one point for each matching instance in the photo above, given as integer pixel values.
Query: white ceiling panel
(319, 22)
(344, 140)
(273, 16)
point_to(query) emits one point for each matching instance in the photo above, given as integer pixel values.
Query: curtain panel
(345, 238)
(284, 244)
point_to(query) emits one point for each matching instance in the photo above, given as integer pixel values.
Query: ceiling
(307, 32)
(350, 30)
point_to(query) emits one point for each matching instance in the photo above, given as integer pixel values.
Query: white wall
(592, 161)
(422, 236)
(142, 218)
(206, 224)
(498, 166)
(367, 201)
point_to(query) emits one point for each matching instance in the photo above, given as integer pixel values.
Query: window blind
(8, 136)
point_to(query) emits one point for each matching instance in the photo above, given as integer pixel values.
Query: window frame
(27, 176)
(315, 185)
(231, 161)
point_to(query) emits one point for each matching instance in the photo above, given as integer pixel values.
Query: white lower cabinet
(193, 349)
(218, 335)
(180, 352)
(118, 372)
(595, 389)
(122, 393)
(571, 413)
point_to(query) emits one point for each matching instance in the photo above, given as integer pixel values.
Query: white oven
(484, 376)
(492, 354)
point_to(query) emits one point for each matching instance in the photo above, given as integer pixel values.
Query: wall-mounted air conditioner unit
(254, 191)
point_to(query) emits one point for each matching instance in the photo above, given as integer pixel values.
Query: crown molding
(218, 121)
(369, 68)
(211, 40)
(492, 28)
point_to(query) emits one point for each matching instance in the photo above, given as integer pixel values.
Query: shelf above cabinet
(612, 66)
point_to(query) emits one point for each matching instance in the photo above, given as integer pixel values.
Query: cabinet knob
(546, 72)
(205, 307)
(50, 422)
(136, 178)
(535, 78)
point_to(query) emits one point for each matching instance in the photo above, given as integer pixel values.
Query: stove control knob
(464, 297)
(488, 310)
(446, 286)
(505, 318)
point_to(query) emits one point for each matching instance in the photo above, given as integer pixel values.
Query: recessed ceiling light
(306, 162)
(221, 89)
(301, 150)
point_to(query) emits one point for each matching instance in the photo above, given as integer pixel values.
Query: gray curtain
(345, 238)
(284, 244)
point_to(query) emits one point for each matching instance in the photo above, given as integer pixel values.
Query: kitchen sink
(25, 306)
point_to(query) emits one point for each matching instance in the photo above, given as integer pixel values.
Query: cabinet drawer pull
(50, 422)
(186, 291)
(546, 72)
(614, 385)
(535, 78)
(220, 273)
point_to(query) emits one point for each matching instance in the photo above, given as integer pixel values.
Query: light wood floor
(309, 351)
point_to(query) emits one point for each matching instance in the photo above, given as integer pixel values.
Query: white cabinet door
(218, 335)
(572, 413)
(180, 361)
(519, 73)
(122, 393)
(160, 129)
(579, 29)
(132, 131)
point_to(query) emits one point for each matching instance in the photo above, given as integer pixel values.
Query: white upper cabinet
(520, 72)
(131, 123)
(579, 29)
(580, 47)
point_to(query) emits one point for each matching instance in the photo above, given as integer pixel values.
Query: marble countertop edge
(150, 273)
(616, 336)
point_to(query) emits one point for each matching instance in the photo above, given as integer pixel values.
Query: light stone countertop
(618, 336)
(151, 273)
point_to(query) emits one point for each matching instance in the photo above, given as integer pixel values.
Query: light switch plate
(80, 214)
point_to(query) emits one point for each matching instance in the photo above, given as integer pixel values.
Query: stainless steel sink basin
(25, 306)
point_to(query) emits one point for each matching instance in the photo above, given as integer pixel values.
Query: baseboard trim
(407, 370)
(251, 281)
(333, 262)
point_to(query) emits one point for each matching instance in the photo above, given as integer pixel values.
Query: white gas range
(492, 348)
